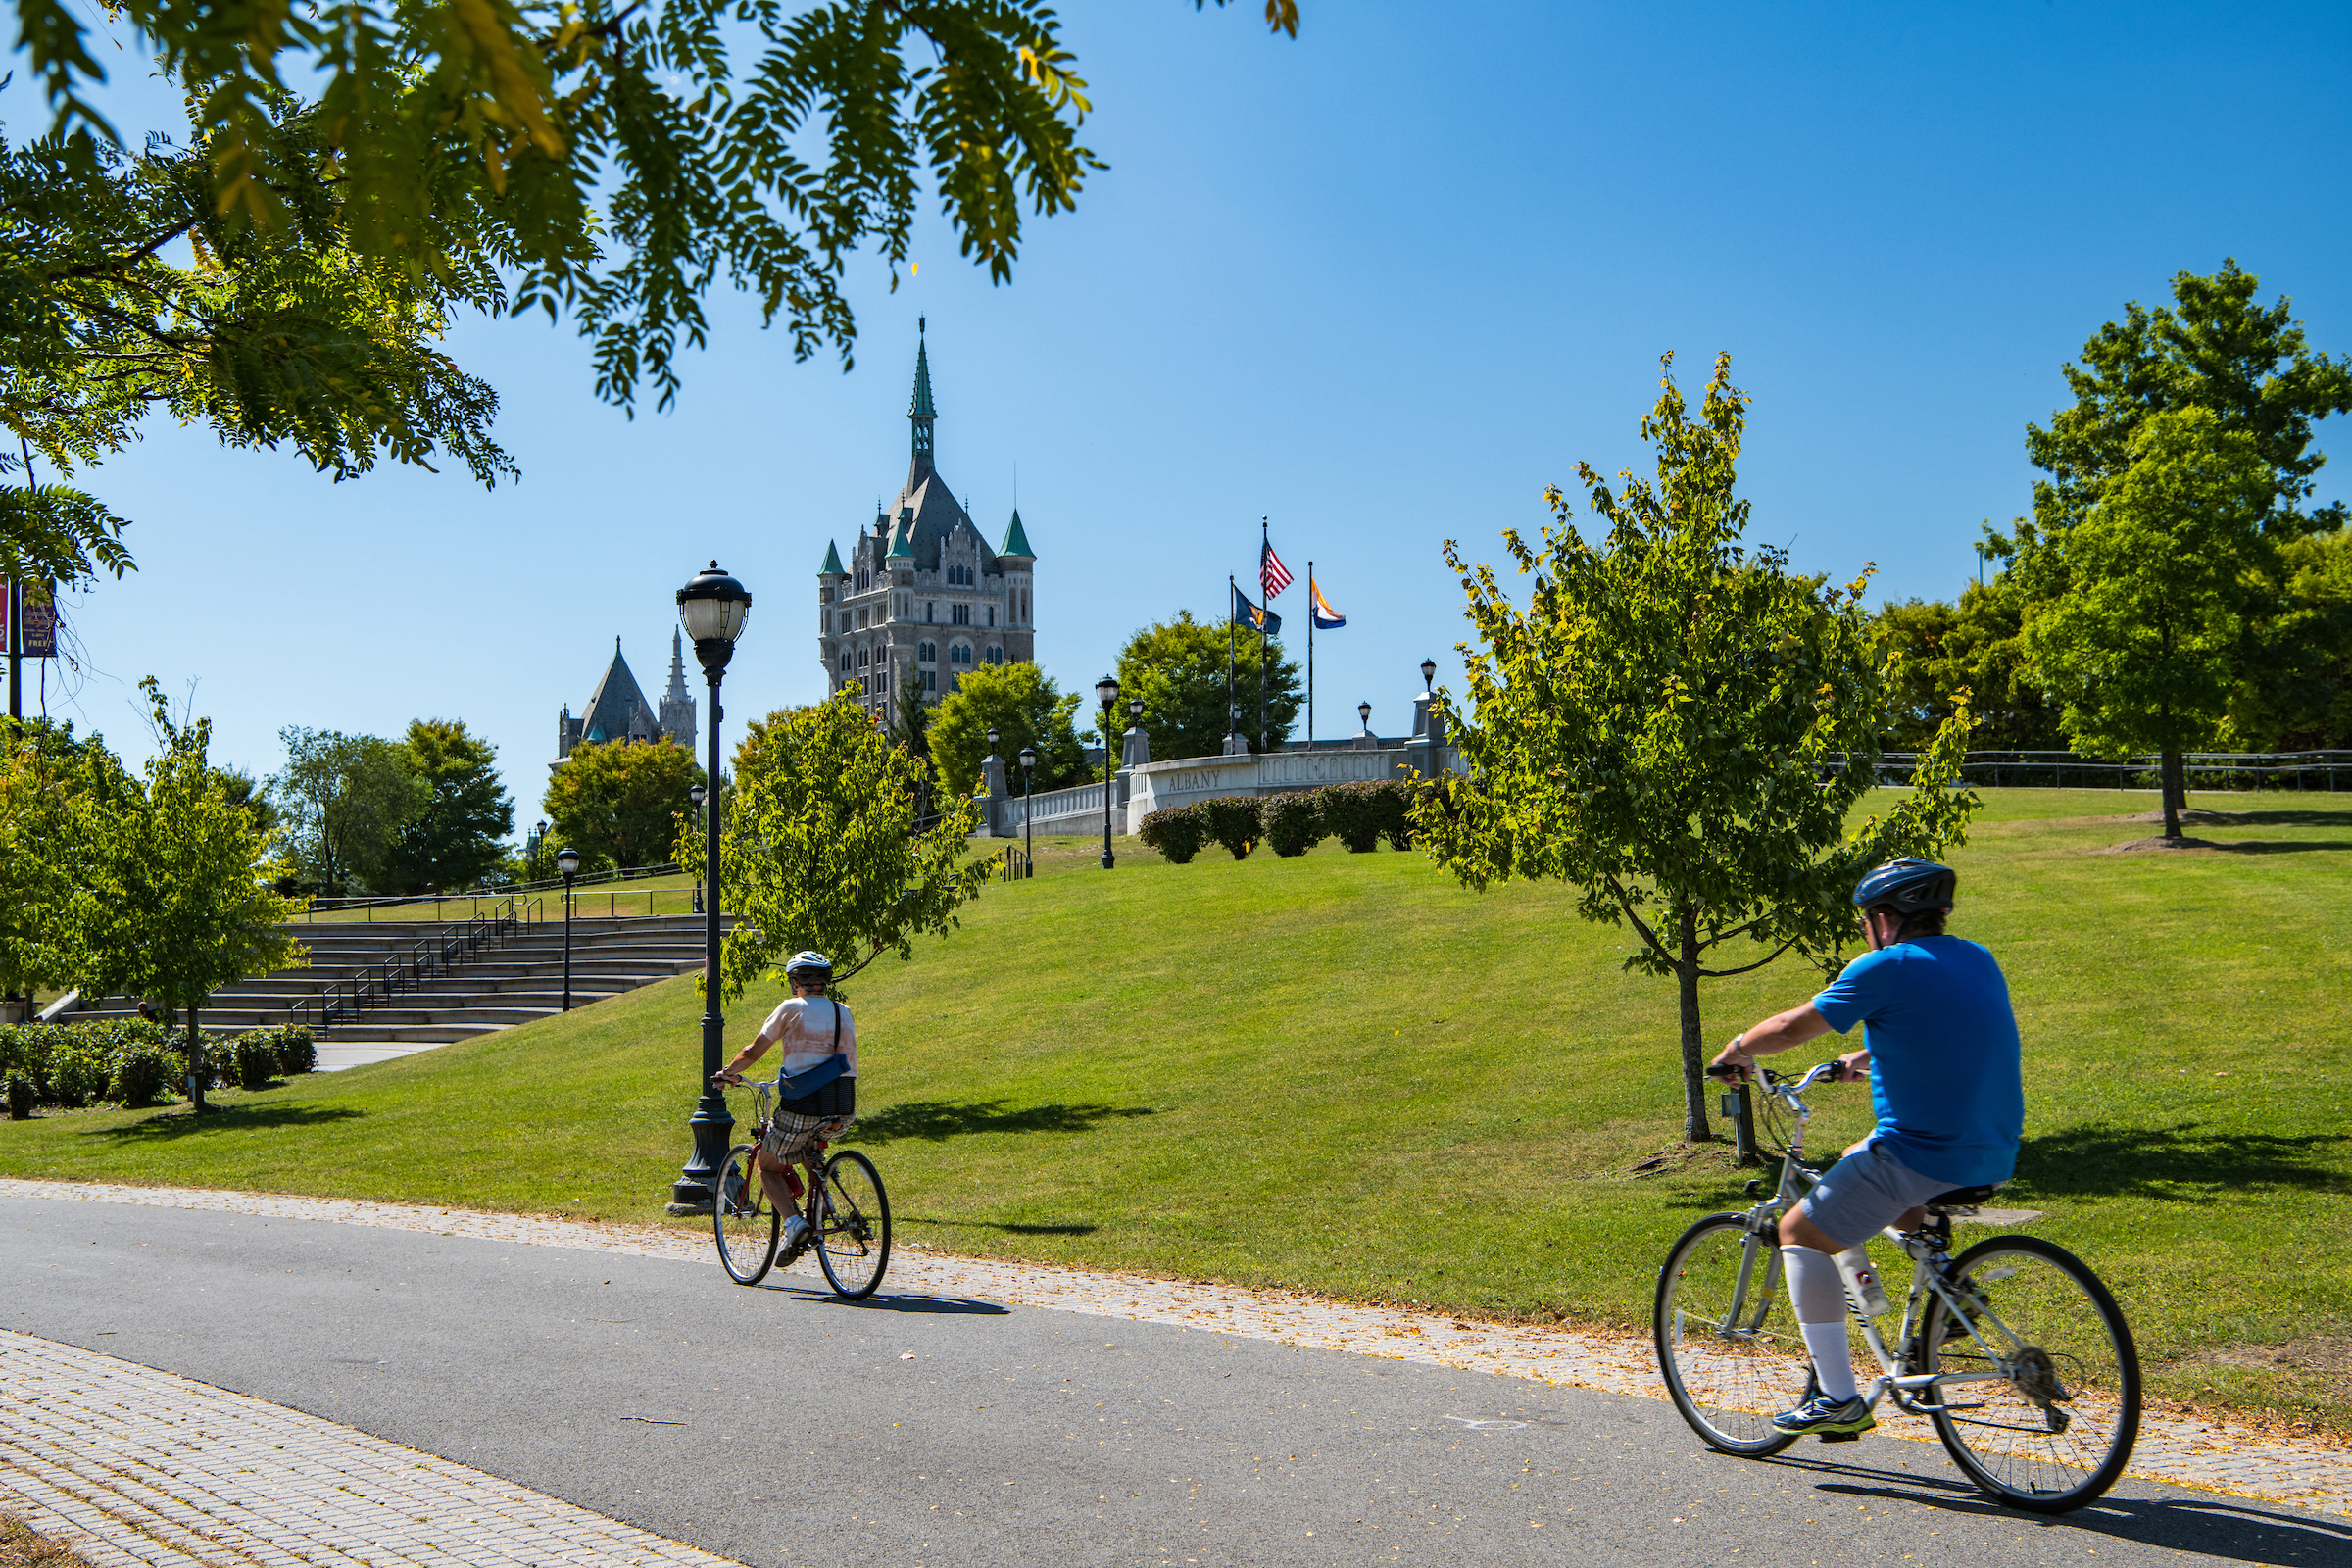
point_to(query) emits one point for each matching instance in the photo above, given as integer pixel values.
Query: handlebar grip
(1837, 1070)
(1724, 1070)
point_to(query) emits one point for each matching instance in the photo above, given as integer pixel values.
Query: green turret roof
(1016, 542)
(832, 566)
(903, 546)
(922, 409)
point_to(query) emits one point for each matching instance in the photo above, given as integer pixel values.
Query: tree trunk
(196, 1074)
(1695, 1061)
(2175, 792)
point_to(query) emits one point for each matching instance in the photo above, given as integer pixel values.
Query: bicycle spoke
(1727, 1340)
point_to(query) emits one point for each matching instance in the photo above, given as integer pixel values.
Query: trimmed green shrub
(1293, 823)
(256, 1056)
(1177, 832)
(1353, 814)
(1234, 821)
(297, 1050)
(143, 1073)
(1397, 813)
(19, 1096)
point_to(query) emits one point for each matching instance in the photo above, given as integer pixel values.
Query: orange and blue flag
(1320, 612)
(1254, 617)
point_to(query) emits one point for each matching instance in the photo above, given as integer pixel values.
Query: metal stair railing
(377, 983)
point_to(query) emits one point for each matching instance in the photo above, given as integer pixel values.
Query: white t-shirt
(803, 1027)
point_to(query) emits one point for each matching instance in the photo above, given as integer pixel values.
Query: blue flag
(1246, 614)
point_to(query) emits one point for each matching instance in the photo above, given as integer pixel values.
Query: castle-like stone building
(924, 598)
(618, 712)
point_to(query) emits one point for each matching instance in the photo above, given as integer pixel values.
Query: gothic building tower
(924, 598)
(618, 712)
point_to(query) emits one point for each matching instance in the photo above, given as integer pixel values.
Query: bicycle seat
(1961, 1197)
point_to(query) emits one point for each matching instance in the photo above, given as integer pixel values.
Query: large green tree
(345, 799)
(1023, 706)
(459, 835)
(1679, 727)
(1178, 667)
(2167, 581)
(2300, 697)
(633, 154)
(622, 800)
(820, 850)
(125, 289)
(1970, 654)
(168, 900)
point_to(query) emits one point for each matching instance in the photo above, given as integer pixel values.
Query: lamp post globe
(712, 609)
(568, 867)
(1363, 711)
(1429, 673)
(1106, 692)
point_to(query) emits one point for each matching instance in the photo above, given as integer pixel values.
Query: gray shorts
(1866, 1191)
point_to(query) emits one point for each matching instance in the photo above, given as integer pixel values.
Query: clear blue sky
(1382, 283)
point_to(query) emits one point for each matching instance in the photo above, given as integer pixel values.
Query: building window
(991, 614)
(845, 660)
(861, 659)
(927, 653)
(930, 681)
(995, 656)
(930, 609)
(961, 614)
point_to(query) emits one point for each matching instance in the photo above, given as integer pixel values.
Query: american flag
(1272, 575)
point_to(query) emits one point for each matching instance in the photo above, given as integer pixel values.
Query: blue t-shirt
(1946, 1078)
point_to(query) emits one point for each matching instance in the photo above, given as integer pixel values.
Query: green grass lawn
(1347, 1074)
(672, 893)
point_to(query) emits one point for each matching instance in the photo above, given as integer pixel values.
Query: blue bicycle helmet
(1909, 886)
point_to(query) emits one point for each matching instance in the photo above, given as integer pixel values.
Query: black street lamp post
(696, 795)
(1028, 820)
(1106, 690)
(1363, 711)
(568, 864)
(712, 609)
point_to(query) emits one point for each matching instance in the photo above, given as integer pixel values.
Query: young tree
(633, 155)
(270, 335)
(36, 882)
(1178, 668)
(459, 836)
(1679, 727)
(345, 799)
(1023, 705)
(819, 849)
(2167, 578)
(622, 800)
(167, 902)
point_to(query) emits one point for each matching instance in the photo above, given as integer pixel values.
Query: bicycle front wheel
(852, 1230)
(1727, 1338)
(744, 1218)
(2051, 1408)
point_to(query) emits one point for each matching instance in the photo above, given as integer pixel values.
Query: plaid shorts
(792, 1138)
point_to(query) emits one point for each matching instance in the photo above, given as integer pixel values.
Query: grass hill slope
(1347, 1074)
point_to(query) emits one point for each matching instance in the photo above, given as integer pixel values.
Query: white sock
(1833, 1358)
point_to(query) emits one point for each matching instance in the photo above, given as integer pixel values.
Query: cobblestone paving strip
(134, 1468)
(2197, 1452)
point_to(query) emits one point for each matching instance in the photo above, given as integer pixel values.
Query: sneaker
(796, 1232)
(1821, 1413)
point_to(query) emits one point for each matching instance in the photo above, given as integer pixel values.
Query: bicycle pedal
(1841, 1437)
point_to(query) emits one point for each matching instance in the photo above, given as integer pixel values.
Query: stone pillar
(993, 795)
(1136, 749)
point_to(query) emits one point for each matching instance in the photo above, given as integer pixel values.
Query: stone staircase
(389, 988)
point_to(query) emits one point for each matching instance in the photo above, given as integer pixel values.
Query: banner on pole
(38, 610)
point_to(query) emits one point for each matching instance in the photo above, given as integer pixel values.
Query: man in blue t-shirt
(1941, 1048)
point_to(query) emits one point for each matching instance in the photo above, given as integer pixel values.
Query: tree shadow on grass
(2282, 846)
(1010, 1230)
(2300, 816)
(937, 1120)
(171, 1125)
(2183, 1163)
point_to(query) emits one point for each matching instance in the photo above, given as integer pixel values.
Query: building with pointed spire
(618, 711)
(923, 597)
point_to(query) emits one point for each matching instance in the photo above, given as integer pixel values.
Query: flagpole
(1264, 545)
(1311, 656)
(1232, 719)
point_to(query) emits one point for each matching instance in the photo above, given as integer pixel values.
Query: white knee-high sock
(1833, 1358)
(1817, 1291)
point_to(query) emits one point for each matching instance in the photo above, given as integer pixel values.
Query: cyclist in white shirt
(820, 1062)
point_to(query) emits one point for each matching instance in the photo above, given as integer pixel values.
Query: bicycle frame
(816, 1203)
(1928, 1247)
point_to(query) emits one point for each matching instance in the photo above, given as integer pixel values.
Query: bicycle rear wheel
(743, 1219)
(1727, 1338)
(853, 1232)
(2053, 1424)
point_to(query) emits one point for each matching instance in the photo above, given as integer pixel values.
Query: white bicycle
(2014, 1350)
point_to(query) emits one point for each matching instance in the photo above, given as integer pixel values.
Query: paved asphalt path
(780, 1426)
